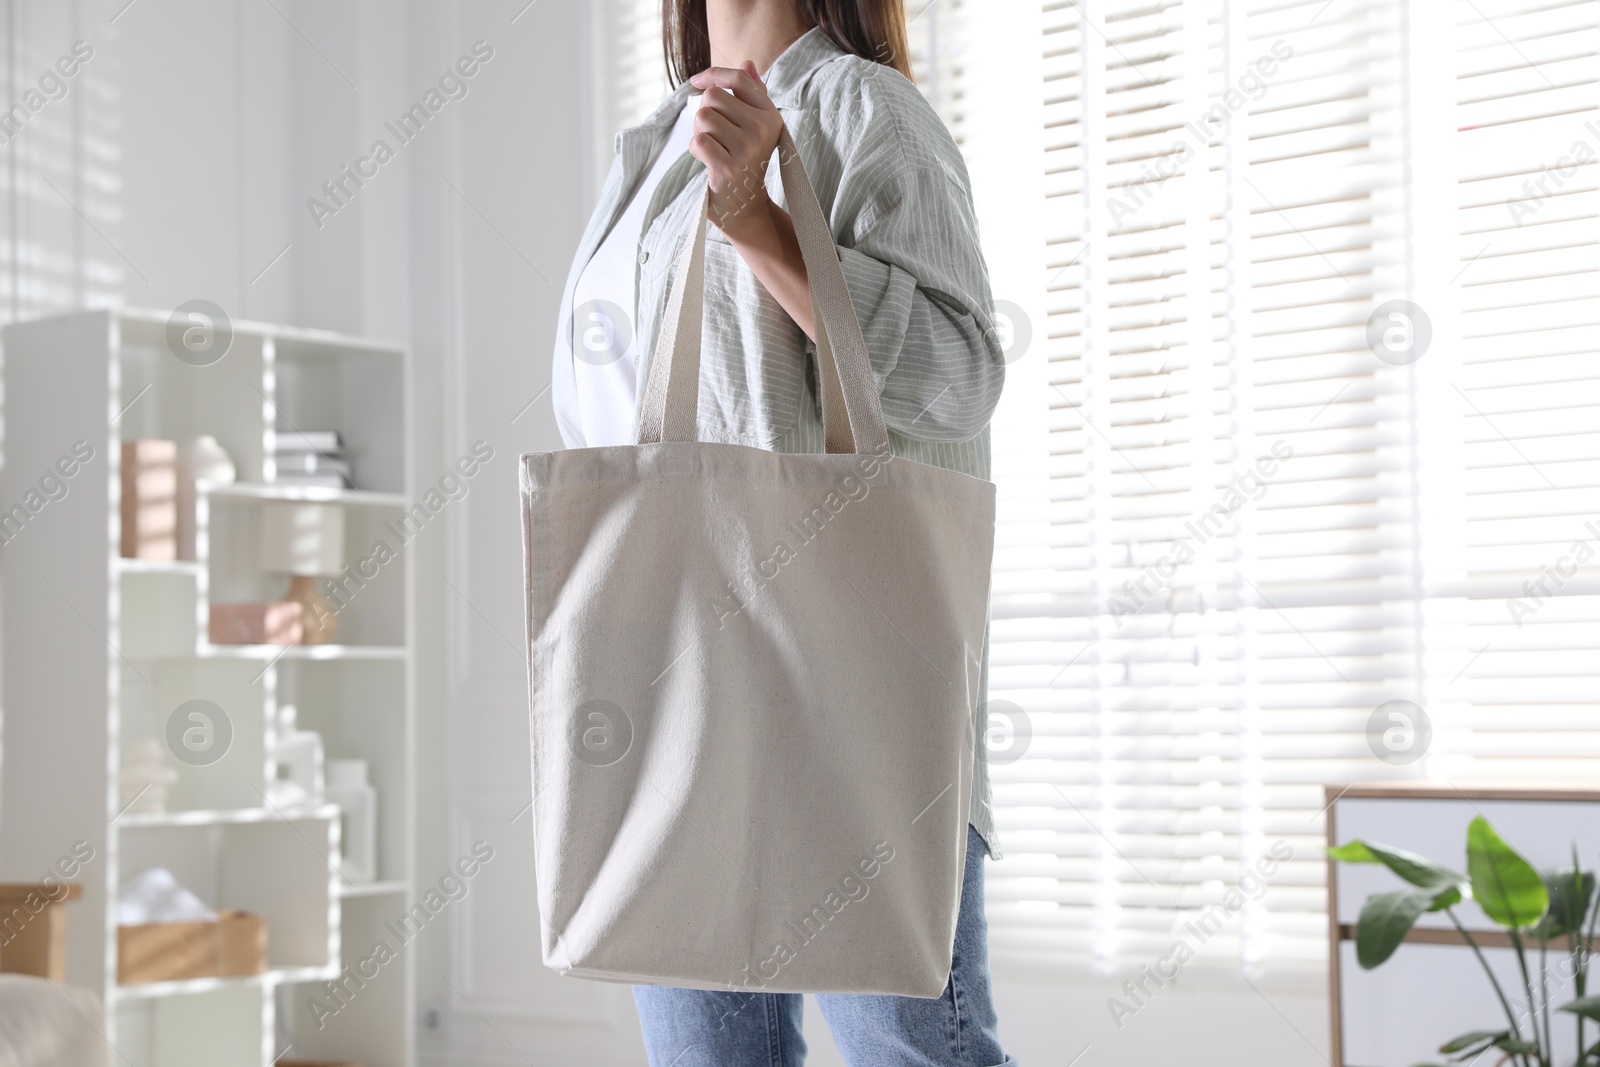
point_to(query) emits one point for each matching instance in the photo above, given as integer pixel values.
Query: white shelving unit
(100, 650)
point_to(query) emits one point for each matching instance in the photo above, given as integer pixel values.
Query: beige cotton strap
(852, 415)
(672, 391)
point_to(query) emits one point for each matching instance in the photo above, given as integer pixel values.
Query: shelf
(242, 491)
(273, 652)
(188, 567)
(293, 334)
(223, 816)
(288, 975)
(137, 647)
(371, 889)
(276, 976)
(152, 990)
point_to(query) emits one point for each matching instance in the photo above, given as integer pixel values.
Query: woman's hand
(735, 133)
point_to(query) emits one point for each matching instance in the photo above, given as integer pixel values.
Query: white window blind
(1199, 320)
(629, 75)
(1228, 584)
(1523, 636)
(937, 32)
(633, 68)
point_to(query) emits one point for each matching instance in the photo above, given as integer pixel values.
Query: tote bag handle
(852, 416)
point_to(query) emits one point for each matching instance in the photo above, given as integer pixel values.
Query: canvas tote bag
(752, 679)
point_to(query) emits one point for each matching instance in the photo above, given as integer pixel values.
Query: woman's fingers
(732, 136)
(724, 103)
(719, 135)
(741, 82)
(708, 150)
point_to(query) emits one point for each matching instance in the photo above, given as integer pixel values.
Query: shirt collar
(789, 73)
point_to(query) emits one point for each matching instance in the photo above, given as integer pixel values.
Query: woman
(895, 191)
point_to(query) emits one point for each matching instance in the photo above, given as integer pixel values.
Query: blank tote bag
(752, 679)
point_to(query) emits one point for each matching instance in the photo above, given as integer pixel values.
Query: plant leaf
(1570, 891)
(1508, 1044)
(1482, 1038)
(1588, 1007)
(1353, 852)
(1385, 920)
(1448, 898)
(1504, 884)
(1418, 870)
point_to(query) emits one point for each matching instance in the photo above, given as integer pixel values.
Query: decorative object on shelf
(1547, 906)
(297, 762)
(207, 461)
(145, 777)
(358, 808)
(310, 457)
(203, 460)
(156, 896)
(150, 499)
(231, 945)
(305, 541)
(167, 934)
(275, 623)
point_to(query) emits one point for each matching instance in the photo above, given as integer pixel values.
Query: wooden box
(271, 623)
(33, 928)
(150, 499)
(232, 946)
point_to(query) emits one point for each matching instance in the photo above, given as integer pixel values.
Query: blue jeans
(707, 1028)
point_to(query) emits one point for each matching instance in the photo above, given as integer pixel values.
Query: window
(633, 70)
(1519, 601)
(1200, 642)
(1229, 580)
(938, 33)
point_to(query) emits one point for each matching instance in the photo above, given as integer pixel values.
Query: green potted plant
(1558, 905)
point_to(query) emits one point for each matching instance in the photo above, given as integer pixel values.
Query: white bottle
(145, 777)
(297, 762)
(202, 460)
(358, 816)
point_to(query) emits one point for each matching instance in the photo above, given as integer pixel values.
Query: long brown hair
(871, 29)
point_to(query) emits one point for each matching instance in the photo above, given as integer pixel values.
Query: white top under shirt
(604, 309)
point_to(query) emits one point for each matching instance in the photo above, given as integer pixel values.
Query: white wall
(191, 144)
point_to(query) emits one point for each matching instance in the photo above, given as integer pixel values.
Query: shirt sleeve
(916, 276)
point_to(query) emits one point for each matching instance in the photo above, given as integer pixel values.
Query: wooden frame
(1339, 932)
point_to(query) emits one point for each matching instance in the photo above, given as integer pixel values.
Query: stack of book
(311, 457)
